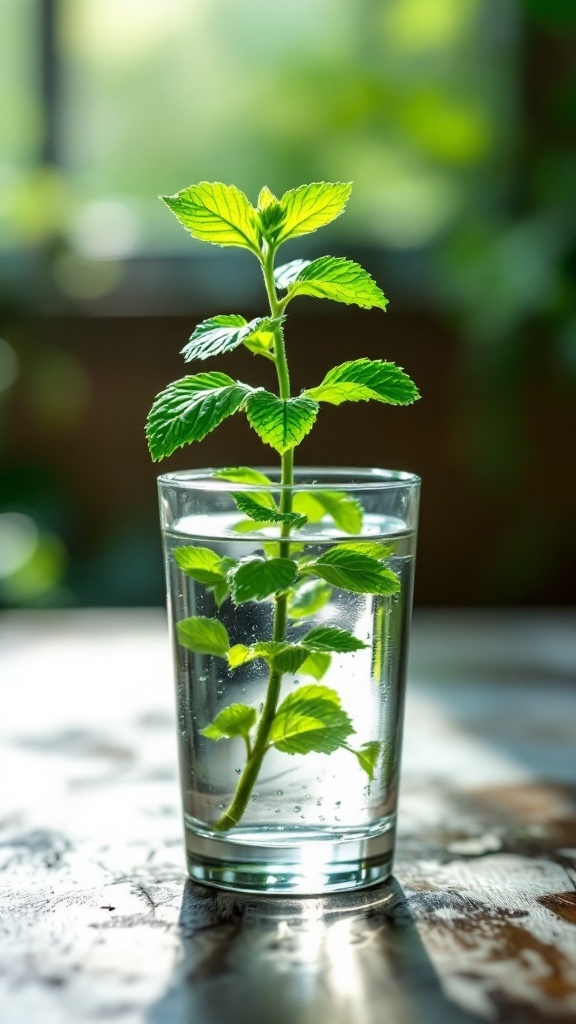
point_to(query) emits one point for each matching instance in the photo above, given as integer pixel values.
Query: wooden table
(98, 922)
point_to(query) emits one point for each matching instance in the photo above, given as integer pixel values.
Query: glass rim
(335, 477)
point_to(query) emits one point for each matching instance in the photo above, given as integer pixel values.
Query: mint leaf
(363, 379)
(310, 720)
(189, 409)
(224, 333)
(257, 578)
(255, 507)
(291, 658)
(214, 336)
(239, 654)
(344, 510)
(311, 207)
(266, 198)
(374, 548)
(288, 272)
(307, 598)
(205, 636)
(368, 756)
(316, 665)
(350, 570)
(242, 475)
(216, 213)
(332, 638)
(281, 423)
(331, 277)
(201, 564)
(260, 339)
(235, 720)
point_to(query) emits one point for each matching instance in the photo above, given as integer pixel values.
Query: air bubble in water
(338, 803)
(297, 808)
(238, 771)
(319, 802)
(279, 792)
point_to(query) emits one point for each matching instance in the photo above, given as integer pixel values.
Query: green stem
(253, 764)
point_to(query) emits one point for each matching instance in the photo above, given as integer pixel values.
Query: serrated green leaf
(220, 592)
(307, 598)
(216, 213)
(268, 648)
(201, 564)
(290, 658)
(281, 423)
(373, 548)
(205, 636)
(271, 218)
(332, 638)
(254, 506)
(257, 578)
(266, 198)
(310, 719)
(214, 336)
(316, 665)
(362, 380)
(239, 654)
(331, 277)
(235, 720)
(189, 409)
(288, 272)
(368, 757)
(224, 333)
(310, 207)
(350, 570)
(344, 510)
(242, 475)
(260, 338)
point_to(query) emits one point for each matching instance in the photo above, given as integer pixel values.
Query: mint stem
(253, 764)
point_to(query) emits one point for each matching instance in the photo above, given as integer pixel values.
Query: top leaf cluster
(188, 409)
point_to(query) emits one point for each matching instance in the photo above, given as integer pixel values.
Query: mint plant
(310, 718)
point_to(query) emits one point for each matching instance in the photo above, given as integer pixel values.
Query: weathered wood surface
(97, 921)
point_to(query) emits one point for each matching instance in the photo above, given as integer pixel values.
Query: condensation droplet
(321, 817)
(302, 816)
(319, 802)
(238, 771)
(338, 803)
(297, 808)
(336, 818)
(220, 807)
(277, 810)
(279, 792)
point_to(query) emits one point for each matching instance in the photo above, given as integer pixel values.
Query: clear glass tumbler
(311, 822)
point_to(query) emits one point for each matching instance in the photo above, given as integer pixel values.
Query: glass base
(302, 863)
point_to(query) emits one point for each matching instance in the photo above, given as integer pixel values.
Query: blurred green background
(455, 119)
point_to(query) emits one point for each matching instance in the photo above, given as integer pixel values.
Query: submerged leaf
(202, 635)
(235, 720)
(257, 578)
(310, 719)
